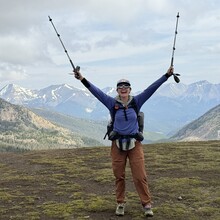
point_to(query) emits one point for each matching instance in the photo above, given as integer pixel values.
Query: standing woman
(126, 141)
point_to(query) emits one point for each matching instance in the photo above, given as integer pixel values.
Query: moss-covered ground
(184, 180)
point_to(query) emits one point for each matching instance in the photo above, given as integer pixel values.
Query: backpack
(140, 117)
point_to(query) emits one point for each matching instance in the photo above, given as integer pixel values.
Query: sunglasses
(123, 87)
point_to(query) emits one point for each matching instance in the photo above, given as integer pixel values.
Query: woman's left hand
(170, 71)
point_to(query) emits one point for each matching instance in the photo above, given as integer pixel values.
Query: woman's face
(123, 91)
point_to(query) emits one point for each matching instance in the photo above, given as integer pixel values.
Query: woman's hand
(170, 71)
(77, 73)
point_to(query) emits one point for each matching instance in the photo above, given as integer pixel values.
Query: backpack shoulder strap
(133, 105)
(115, 108)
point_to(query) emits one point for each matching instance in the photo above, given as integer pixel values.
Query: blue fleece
(122, 126)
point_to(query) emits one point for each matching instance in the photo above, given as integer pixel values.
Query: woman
(124, 142)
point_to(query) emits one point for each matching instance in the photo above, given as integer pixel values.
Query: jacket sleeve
(149, 91)
(106, 100)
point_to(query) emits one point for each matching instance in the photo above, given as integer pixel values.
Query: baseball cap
(123, 82)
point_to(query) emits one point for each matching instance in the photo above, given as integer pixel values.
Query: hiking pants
(136, 160)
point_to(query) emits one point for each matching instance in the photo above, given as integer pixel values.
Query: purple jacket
(122, 126)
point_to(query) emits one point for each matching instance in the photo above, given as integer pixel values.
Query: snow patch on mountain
(89, 110)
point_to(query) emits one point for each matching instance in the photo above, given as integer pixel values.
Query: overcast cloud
(109, 39)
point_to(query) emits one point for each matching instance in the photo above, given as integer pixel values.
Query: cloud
(112, 36)
(10, 72)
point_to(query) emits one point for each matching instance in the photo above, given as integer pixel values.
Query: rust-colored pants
(136, 160)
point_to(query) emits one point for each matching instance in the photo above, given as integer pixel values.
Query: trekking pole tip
(178, 14)
(50, 19)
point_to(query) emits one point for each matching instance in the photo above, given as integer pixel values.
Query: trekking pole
(175, 75)
(75, 69)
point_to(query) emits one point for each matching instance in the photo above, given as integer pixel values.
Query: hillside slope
(88, 128)
(22, 129)
(78, 183)
(206, 127)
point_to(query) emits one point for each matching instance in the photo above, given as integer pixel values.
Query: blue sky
(109, 39)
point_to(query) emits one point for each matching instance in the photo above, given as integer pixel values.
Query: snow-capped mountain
(62, 98)
(175, 105)
(202, 90)
(171, 107)
(17, 95)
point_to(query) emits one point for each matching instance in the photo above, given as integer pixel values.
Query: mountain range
(169, 109)
(22, 129)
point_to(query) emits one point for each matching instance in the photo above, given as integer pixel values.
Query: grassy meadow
(67, 184)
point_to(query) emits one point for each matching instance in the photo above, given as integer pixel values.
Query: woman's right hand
(77, 74)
